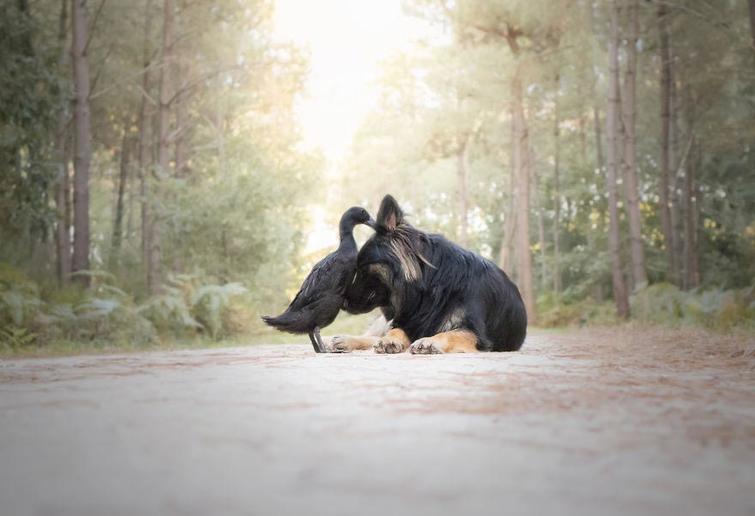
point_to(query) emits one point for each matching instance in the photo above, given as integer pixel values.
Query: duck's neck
(346, 233)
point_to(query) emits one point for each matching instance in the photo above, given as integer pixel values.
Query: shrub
(554, 311)
(188, 304)
(713, 308)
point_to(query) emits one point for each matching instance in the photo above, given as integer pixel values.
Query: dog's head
(391, 263)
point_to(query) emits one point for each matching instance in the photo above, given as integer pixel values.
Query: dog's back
(462, 290)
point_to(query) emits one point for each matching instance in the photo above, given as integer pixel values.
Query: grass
(259, 334)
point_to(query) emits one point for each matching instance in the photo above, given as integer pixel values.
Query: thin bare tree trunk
(506, 259)
(179, 147)
(612, 129)
(666, 79)
(83, 152)
(751, 4)
(144, 146)
(688, 205)
(63, 222)
(154, 272)
(118, 218)
(689, 162)
(62, 185)
(674, 197)
(539, 207)
(462, 166)
(631, 180)
(179, 102)
(522, 168)
(129, 232)
(691, 266)
(556, 193)
(695, 223)
(601, 162)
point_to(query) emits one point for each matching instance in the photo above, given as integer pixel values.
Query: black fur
(428, 284)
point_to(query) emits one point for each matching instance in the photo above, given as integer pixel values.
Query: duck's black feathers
(321, 296)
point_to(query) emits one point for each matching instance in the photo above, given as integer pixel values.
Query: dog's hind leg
(455, 341)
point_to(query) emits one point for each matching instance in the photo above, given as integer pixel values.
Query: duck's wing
(324, 278)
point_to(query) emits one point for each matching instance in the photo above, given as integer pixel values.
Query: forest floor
(580, 421)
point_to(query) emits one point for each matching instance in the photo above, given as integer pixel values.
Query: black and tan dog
(438, 297)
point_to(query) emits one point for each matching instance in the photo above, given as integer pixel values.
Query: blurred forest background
(154, 186)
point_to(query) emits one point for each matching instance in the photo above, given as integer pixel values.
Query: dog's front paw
(388, 345)
(424, 346)
(338, 344)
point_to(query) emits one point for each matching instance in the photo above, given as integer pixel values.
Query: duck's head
(356, 215)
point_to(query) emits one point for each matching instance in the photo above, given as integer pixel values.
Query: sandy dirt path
(585, 422)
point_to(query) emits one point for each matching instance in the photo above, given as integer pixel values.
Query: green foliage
(555, 311)
(209, 302)
(711, 308)
(19, 297)
(188, 305)
(13, 338)
(105, 313)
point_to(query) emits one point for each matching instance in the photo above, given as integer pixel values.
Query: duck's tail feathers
(287, 321)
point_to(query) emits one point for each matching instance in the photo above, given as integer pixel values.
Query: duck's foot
(314, 337)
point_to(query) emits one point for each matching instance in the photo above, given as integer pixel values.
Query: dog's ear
(389, 215)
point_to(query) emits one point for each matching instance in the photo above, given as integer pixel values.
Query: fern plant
(209, 302)
(15, 338)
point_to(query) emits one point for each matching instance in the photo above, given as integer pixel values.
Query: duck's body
(320, 298)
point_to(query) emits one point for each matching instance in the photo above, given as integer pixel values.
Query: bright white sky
(347, 40)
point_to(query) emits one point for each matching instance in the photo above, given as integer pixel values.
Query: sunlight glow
(347, 41)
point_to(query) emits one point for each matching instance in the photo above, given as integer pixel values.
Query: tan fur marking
(457, 341)
(394, 341)
(348, 343)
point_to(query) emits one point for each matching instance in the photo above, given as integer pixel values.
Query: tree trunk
(688, 164)
(631, 181)
(666, 79)
(691, 274)
(179, 107)
(522, 170)
(751, 3)
(507, 254)
(556, 194)
(539, 207)
(118, 218)
(182, 130)
(83, 152)
(695, 207)
(62, 185)
(612, 129)
(62, 207)
(601, 162)
(462, 167)
(129, 231)
(154, 272)
(179, 147)
(144, 145)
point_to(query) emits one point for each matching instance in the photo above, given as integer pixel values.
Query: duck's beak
(372, 223)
